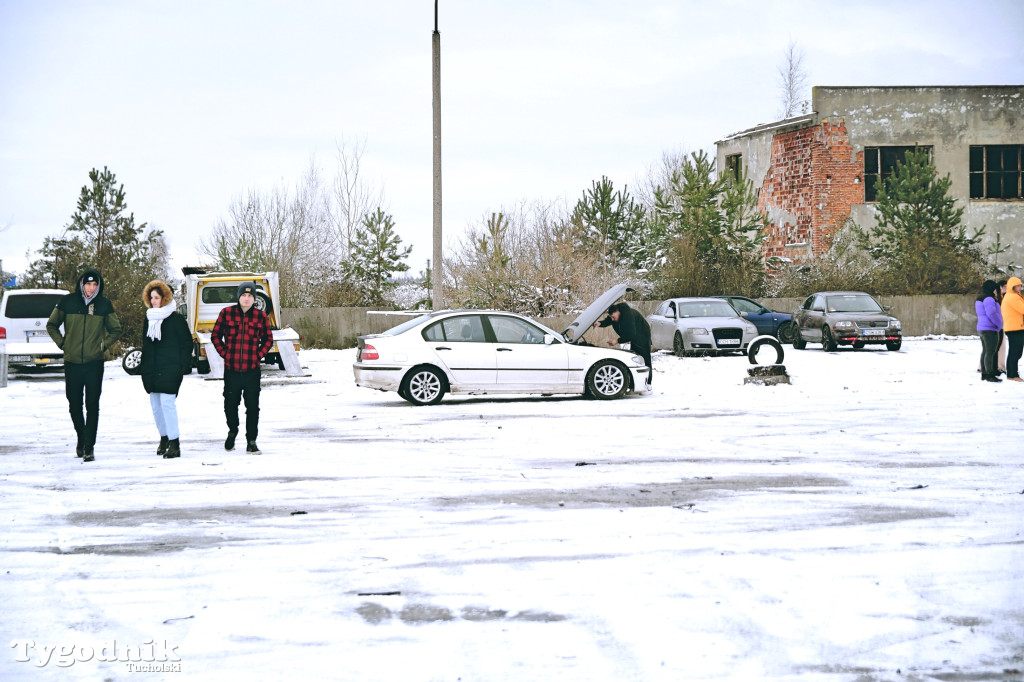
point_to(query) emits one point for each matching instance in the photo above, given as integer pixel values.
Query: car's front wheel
(894, 345)
(423, 386)
(677, 344)
(607, 380)
(798, 341)
(788, 332)
(828, 342)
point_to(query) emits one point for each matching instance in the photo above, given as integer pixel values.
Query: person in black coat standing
(633, 329)
(166, 359)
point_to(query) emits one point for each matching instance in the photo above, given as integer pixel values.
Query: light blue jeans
(165, 412)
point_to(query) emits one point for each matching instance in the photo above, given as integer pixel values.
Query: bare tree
(304, 233)
(793, 83)
(353, 197)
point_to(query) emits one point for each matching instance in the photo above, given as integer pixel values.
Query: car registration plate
(729, 342)
(36, 333)
(874, 332)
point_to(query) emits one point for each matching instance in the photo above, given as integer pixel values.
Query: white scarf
(156, 316)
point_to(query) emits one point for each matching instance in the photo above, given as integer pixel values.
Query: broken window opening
(996, 171)
(881, 162)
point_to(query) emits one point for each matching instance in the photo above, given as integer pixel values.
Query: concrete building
(814, 172)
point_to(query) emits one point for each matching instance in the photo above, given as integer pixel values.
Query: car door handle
(442, 348)
(509, 350)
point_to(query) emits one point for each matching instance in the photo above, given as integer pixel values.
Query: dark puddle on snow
(180, 515)
(419, 614)
(164, 545)
(646, 495)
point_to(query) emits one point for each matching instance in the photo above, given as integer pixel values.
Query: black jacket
(632, 328)
(166, 361)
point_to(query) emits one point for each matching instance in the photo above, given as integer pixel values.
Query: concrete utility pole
(438, 295)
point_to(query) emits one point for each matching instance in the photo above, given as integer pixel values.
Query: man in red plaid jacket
(242, 336)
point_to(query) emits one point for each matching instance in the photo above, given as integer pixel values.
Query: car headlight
(698, 331)
(637, 360)
(895, 324)
(846, 324)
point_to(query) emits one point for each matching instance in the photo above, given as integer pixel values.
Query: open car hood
(595, 310)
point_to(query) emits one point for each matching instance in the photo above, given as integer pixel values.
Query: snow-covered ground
(863, 523)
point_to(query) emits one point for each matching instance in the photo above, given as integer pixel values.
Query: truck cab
(205, 293)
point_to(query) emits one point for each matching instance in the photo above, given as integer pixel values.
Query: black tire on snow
(677, 344)
(203, 366)
(828, 342)
(798, 342)
(788, 332)
(423, 386)
(132, 361)
(894, 345)
(607, 380)
(756, 345)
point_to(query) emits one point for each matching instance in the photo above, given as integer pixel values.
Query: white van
(23, 337)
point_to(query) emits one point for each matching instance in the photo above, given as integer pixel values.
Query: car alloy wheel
(828, 342)
(788, 332)
(132, 362)
(607, 380)
(677, 344)
(423, 386)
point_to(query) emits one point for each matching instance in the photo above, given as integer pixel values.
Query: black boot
(229, 442)
(79, 449)
(252, 449)
(173, 449)
(162, 448)
(87, 456)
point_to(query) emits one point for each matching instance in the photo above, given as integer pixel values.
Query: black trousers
(1015, 345)
(237, 385)
(989, 349)
(645, 353)
(84, 380)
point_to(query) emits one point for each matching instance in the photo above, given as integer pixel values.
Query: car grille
(867, 324)
(727, 333)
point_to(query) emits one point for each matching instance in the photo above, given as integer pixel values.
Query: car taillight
(3, 333)
(368, 353)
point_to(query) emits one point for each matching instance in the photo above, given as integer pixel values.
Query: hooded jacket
(167, 361)
(990, 317)
(1013, 307)
(90, 329)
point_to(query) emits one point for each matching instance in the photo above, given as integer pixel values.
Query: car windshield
(706, 309)
(853, 303)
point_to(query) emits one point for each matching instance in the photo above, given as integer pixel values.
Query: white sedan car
(698, 326)
(485, 351)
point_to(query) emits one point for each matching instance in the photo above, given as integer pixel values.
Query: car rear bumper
(380, 377)
(36, 354)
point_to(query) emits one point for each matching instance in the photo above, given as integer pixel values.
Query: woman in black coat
(166, 358)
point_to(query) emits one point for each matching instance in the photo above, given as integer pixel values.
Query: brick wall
(814, 178)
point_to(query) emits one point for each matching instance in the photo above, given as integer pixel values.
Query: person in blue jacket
(990, 324)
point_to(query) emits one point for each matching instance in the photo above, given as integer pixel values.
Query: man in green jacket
(90, 327)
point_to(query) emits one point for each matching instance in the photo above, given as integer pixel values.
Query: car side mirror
(764, 311)
(744, 314)
(818, 310)
(887, 308)
(548, 339)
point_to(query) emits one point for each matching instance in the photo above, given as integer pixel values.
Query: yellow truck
(204, 294)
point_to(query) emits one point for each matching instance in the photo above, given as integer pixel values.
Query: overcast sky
(192, 103)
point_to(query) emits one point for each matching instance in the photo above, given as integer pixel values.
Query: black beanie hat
(246, 288)
(989, 286)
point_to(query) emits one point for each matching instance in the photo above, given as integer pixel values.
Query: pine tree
(712, 230)
(919, 237)
(102, 234)
(612, 225)
(375, 256)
